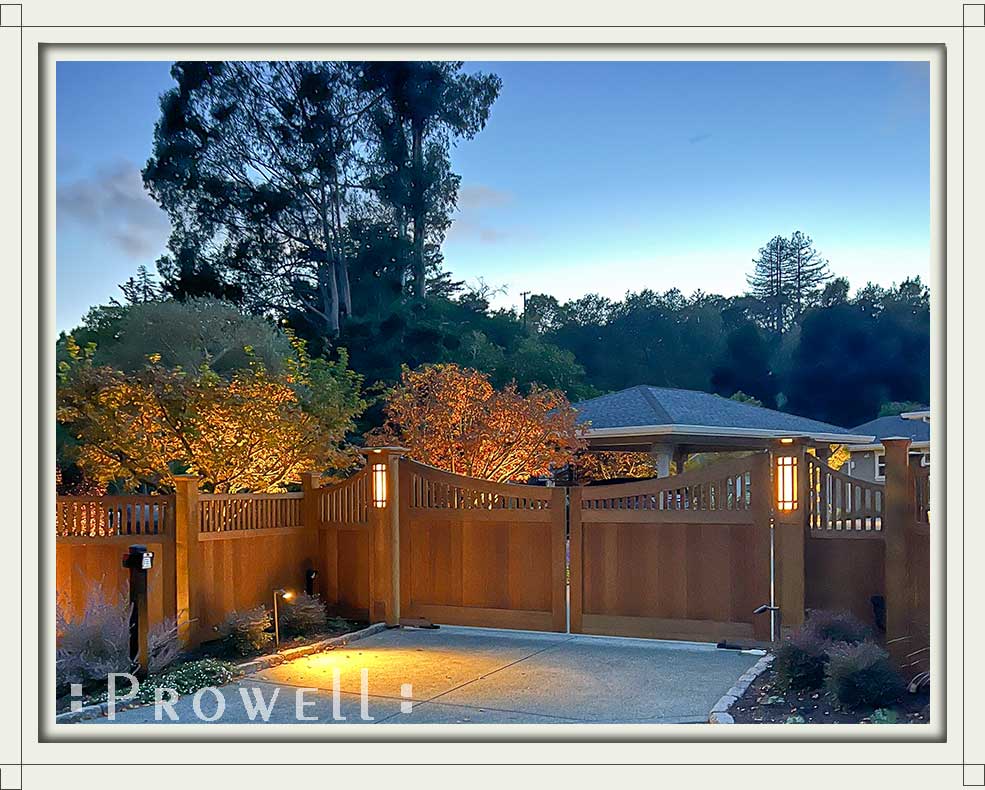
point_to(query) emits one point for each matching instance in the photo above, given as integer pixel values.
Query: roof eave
(918, 445)
(712, 431)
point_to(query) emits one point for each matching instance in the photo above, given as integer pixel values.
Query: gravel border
(247, 668)
(719, 714)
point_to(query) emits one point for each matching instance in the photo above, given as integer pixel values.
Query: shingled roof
(647, 406)
(895, 426)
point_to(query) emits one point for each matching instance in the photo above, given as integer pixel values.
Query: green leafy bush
(837, 627)
(861, 676)
(800, 661)
(302, 615)
(244, 633)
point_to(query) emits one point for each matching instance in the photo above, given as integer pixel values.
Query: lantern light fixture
(379, 485)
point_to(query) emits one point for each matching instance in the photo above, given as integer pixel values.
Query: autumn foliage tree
(252, 431)
(606, 465)
(454, 419)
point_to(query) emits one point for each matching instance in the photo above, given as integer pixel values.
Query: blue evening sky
(590, 176)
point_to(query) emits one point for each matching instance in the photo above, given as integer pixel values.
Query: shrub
(800, 661)
(305, 614)
(860, 676)
(837, 627)
(184, 678)
(163, 645)
(90, 647)
(246, 632)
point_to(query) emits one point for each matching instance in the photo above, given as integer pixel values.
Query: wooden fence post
(788, 497)
(897, 514)
(187, 559)
(311, 518)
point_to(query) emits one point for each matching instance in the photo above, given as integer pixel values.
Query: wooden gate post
(187, 559)
(384, 468)
(897, 511)
(789, 492)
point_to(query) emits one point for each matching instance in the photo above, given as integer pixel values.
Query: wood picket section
(843, 573)
(347, 545)
(106, 516)
(225, 513)
(478, 553)
(684, 557)
(914, 650)
(840, 505)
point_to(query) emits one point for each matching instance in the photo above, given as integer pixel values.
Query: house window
(880, 466)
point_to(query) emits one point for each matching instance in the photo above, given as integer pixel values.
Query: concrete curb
(247, 668)
(283, 656)
(720, 713)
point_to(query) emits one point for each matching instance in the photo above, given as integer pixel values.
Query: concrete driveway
(456, 675)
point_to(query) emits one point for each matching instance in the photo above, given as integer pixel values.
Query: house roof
(887, 427)
(662, 410)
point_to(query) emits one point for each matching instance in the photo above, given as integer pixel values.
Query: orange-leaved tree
(253, 431)
(607, 465)
(453, 418)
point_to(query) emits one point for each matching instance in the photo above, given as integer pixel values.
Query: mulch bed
(765, 703)
(215, 649)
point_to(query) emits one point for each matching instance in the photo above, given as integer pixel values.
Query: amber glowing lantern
(379, 485)
(785, 475)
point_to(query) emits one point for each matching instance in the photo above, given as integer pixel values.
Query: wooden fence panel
(478, 553)
(685, 557)
(346, 545)
(915, 657)
(92, 534)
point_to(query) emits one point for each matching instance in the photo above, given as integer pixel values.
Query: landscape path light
(286, 595)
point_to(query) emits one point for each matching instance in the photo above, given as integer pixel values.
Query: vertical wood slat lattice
(244, 512)
(111, 516)
(724, 486)
(920, 477)
(348, 502)
(842, 505)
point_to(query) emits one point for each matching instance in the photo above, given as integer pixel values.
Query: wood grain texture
(472, 552)
(665, 558)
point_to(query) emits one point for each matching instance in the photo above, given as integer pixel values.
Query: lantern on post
(384, 499)
(786, 471)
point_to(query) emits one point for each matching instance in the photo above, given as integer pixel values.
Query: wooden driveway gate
(682, 557)
(479, 553)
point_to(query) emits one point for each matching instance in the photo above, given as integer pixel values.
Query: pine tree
(142, 288)
(808, 271)
(770, 282)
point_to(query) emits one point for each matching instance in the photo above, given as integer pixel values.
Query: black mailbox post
(138, 560)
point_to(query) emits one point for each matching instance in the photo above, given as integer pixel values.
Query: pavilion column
(680, 458)
(662, 454)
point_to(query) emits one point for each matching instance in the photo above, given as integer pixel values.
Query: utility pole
(524, 294)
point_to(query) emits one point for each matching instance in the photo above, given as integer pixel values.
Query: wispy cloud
(479, 196)
(698, 138)
(113, 205)
(472, 221)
